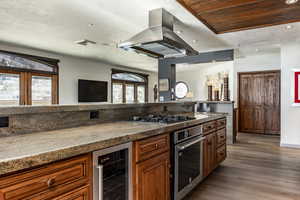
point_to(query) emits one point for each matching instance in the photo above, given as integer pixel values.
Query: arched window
(27, 79)
(129, 87)
(125, 76)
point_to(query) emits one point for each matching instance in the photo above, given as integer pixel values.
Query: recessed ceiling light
(108, 44)
(289, 26)
(257, 50)
(105, 44)
(290, 2)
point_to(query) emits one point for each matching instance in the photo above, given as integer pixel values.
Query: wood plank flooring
(257, 168)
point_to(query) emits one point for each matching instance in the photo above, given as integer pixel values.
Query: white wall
(71, 69)
(256, 62)
(286, 60)
(196, 77)
(290, 116)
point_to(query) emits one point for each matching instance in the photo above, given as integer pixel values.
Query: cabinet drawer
(195, 130)
(209, 127)
(50, 177)
(78, 194)
(221, 154)
(147, 148)
(62, 190)
(221, 123)
(221, 137)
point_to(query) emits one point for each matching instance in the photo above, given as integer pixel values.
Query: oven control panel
(182, 135)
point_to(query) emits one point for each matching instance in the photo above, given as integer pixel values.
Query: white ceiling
(54, 25)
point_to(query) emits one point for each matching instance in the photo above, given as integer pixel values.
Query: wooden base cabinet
(214, 145)
(79, 194)
(151, 168)
(63, 180)
(210, 153)
(153, 178)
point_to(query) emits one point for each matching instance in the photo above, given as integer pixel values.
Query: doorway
(259, 102)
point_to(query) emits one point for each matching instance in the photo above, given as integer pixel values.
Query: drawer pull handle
(156, 146)
(50, 182)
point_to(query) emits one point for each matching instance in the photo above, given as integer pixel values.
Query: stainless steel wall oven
(187, 160)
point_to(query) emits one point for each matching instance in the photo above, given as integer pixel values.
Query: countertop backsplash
(22, 120)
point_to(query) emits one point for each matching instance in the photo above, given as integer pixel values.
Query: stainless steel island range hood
(159, 40)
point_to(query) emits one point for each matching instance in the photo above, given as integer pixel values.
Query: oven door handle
(184, 146)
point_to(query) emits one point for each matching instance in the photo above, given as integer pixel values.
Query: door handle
(100, 172)
(182, 147)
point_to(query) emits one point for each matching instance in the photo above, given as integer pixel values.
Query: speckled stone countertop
(30, 150)
(217, 102)
(17, 110)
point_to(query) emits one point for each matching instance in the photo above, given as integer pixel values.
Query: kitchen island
(30, 150)
(26, 158)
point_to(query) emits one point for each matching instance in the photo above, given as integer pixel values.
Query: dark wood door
(259, 102)
(272, 103)
(153, 178)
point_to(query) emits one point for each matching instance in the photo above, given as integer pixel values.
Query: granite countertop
(30, 150)
(216, 102)
(29, 109)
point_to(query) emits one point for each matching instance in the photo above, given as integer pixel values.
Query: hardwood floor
(256, 169)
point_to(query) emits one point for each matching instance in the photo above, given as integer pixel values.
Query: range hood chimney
(159, 40)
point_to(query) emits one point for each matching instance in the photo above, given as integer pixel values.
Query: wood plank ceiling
(223, 16)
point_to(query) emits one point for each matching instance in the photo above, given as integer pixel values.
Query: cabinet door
(206, 157)
(214, 146)
(153, 178)
(210, 146)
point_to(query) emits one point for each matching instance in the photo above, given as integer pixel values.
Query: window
(28, 80)
(117, 93)
(15, 61)
(41, 90)
(128, 77)
(128, 87)
(9, 89)
(129, 93)
(141, 93)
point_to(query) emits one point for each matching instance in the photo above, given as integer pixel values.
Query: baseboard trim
(295, 146)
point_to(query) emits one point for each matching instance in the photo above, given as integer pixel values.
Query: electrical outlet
(94, 115)
(4, 122)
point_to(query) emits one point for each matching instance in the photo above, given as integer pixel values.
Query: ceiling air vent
(85, 42)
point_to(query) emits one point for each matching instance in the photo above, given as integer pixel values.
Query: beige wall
(71, 69)
(196, 77)
(290, 115)
(257, 62)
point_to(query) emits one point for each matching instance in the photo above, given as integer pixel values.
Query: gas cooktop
(166, 119)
